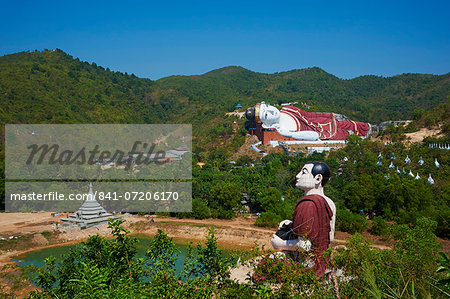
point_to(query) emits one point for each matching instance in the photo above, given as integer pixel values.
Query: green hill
(366, 98)
(53, 87)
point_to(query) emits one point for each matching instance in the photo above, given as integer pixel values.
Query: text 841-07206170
(134, 195)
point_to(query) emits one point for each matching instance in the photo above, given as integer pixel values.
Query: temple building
(178, 152)
(90, 214)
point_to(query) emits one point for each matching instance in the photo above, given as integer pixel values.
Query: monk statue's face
(306, 180)
(269, 114)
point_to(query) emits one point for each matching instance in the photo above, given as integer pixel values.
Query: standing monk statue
(314, 217)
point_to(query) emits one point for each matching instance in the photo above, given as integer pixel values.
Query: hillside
(53, 87)
(366, 98)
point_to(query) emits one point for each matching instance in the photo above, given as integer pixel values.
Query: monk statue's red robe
(325, 124)
(311, 220)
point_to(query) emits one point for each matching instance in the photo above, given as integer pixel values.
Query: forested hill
(366, 98)
(53, 87)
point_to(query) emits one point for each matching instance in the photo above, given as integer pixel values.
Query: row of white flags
(407, 160)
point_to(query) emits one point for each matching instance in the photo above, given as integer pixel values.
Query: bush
(109, 268)
(379, 226)
(222, 213)
(346, 221)
(199, 209)
(406, 271)
(268, 219)
(280, 277)
(97, 268)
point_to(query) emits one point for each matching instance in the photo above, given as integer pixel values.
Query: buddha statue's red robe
(325, 124)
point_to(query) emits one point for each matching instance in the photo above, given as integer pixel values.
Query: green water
(37, 258)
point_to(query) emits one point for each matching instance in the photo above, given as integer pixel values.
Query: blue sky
(159, 39)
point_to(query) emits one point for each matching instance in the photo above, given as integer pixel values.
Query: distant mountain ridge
(53, 87)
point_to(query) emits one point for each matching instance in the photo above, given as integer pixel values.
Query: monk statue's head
(314, 175)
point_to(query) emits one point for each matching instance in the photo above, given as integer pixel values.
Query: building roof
(180, 150)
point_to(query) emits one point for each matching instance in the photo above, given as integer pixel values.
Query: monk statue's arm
(290, 245)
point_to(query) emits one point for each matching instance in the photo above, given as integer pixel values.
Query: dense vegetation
(359, 186)
(109, 268)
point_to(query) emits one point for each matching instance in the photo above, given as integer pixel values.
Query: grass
(193, 224)
(21, 242)
(143, 224)
(46, 234)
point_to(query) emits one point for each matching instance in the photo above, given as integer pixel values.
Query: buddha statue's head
(263, 113)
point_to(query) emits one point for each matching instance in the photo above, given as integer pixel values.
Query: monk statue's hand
(290, 245)
(277, 242)
(284, 222)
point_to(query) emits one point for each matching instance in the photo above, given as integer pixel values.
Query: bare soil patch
(422, 133)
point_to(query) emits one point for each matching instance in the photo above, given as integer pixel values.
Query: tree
(224, 194)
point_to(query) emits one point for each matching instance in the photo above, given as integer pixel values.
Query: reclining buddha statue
(299, 124)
